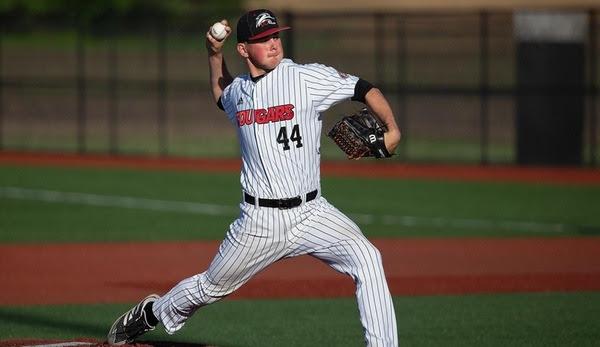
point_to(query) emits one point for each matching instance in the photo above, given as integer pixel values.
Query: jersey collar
(258, 78)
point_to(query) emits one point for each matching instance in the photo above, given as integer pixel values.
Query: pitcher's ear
(241, 48)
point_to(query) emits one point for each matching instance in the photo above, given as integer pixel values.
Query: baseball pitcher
(276, 109)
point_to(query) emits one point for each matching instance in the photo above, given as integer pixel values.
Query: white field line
(221, 210)
(63, 344)
(115, 201)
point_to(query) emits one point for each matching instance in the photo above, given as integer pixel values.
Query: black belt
(280, 203)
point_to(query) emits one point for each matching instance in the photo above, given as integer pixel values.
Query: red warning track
(125, 272)
(363, 168)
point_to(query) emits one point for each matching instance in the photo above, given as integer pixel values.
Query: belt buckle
(286, 204)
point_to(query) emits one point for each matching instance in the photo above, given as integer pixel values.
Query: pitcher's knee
(373, 254)
(376, 254)
(365, 256)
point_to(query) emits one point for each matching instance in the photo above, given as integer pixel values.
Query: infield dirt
(109, 273)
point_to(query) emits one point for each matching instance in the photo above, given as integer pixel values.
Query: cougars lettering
(261, 116)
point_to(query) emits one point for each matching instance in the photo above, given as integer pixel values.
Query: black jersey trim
(361, 89)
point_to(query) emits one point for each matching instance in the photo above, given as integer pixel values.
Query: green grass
(382, 207)
(549, 319)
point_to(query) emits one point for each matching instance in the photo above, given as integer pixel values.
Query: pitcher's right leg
(174, 308)
(248, 248)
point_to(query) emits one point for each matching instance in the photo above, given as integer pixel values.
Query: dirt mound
(52, 342)
(85, 342)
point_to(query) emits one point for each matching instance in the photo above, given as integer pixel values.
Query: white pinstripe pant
(261, 236)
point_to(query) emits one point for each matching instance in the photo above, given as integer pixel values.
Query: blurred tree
(23, 12)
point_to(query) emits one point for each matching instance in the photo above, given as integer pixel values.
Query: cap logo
(265, 19)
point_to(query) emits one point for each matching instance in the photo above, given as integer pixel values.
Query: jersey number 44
(283, 139)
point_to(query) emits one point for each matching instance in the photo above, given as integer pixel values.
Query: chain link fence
(141, 87)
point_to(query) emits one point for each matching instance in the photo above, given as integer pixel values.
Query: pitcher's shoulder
(238, 82)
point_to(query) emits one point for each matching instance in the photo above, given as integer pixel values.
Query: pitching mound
(53, 343)
(90, 343)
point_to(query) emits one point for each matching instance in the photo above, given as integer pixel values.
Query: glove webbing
(351, 145)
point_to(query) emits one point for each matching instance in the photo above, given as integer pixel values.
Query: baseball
(218, 31)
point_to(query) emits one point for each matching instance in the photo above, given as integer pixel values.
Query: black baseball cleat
(132, 324)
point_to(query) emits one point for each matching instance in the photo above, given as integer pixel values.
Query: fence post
(379, 48)
(289, 41)
(401, 82)
(162, 85)
(113, 85)
(484, 86)
(593, 54)
(81, 88)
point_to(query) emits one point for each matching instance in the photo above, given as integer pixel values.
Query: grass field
(67, 204)
(545, 319)
(43, 207)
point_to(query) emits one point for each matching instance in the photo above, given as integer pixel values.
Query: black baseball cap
(257, 24)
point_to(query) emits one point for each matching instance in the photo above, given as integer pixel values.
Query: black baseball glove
(360, 135)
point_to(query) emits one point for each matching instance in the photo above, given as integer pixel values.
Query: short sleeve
(227, 106)
(328, 86)
(224, 99)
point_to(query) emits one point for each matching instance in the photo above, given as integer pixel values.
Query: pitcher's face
(265, 54)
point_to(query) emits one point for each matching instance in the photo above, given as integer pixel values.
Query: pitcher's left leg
(362, 261)
(332, 237)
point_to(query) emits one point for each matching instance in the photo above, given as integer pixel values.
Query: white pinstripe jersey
(279, 126)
